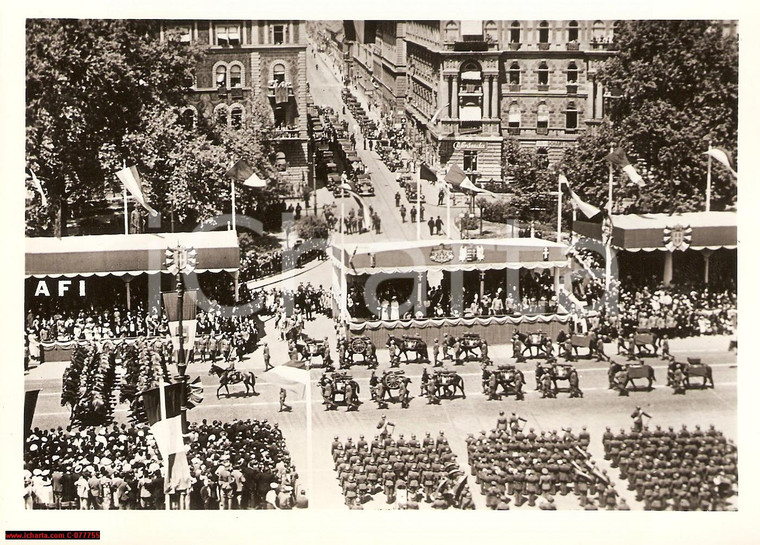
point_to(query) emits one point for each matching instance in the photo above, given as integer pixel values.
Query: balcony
(543, 46)
(221, 92)
(514, 87)
(272, 90)
(543, 87)
(603, 45)
(573, 46)
(236, 93)
(542, 131)
(572, 88)
(284, 133)
(514, 46)
(513, 131)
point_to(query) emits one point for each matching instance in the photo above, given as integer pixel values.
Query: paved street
(326, 89)
(600, 407)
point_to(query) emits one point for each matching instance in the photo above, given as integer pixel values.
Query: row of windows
(229, 34)
(424, 98)
(514, 118)
(231, 116)
(490, 30)
(515, 72)
(232, 75)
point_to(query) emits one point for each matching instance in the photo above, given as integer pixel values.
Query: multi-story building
(470, 84)
(246, 62)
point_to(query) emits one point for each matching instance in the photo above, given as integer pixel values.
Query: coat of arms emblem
(677, 238)
(441, 254)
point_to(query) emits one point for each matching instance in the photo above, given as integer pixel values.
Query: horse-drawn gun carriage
(361, 346)
(681, 373)
(551, 373)
(468, 347)
(505, 380)
(535, 345)
(639, 344)
(406, 345)
(339, 389)
(442, 384)
(308, 349)
(623, 375)
(392, 386)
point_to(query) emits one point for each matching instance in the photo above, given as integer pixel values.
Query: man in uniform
(638, 419)
(267, 358)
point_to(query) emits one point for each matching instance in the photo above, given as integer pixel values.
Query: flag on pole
(427, 173)
(131, 180)
(724, 158)
(30, 175)
(166, 426)
(243, 172)
(467, 184)
(455, 176)
(292, 376)
(589, 210)
(618, 158)
(434, 119)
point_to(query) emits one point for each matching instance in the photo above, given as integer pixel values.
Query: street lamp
(179, 261)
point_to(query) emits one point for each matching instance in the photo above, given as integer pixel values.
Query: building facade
(245, 63)
(465, 86)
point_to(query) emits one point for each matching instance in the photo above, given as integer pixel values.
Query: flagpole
(559, 209)
(708, 190)
(309, 442)
(608, 242)
(343, 281)
(162, 413)
(419, 221)
(448, 210)
(232, 190)
(126, 212)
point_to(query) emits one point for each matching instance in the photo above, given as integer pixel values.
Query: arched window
(221, 115)
(452, 32)
(597, 32)
(470, 92)
(571, 116)
(221, 76)
(542, 118)
(514, 32)
(543, 73)
(514, 73)
(187, 118)
(543, 32)
(490, 30)
(278, 72)
(572, 31)
(236, 76)
(236, 117)
(572, 73)
(515, 116)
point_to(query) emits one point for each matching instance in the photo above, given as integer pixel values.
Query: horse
(447, 385)
(233, 377)
(699, 370)
(410, 344)
(632, 373)
(511, 382)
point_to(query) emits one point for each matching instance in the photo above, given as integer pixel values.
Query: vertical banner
(30, 405)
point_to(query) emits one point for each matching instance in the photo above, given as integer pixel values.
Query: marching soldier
(373, 380)
(638, 419)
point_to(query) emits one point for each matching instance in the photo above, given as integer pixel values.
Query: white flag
(131, 180)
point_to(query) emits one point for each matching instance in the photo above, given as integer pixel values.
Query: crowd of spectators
(406, 471)
(233, 465)
(511, 464)
(536, 296)
(256, 265)
(677, 311)
(684, 470)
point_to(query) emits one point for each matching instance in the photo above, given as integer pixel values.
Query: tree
(679, 86)
(532, 183)
(88, 84)
(312, 228)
